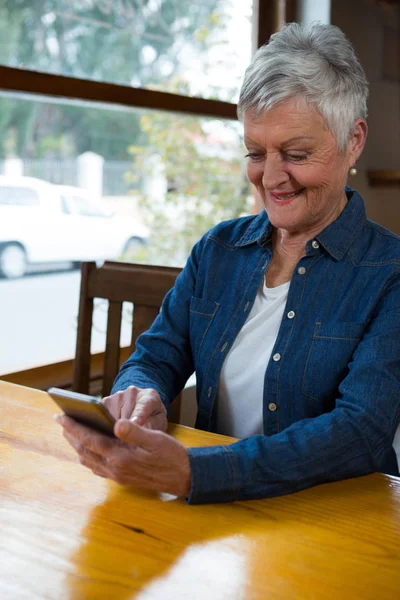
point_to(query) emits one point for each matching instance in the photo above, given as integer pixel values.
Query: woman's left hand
(141, 457)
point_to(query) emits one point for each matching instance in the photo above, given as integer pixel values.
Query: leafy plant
(191, 179)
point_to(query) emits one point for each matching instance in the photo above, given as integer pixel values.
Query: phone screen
(87, 410)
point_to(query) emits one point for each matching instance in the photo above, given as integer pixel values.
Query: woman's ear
(357, 140)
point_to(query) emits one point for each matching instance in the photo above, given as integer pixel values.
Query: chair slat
(111, 359)
(143, 285)
(81, 373)
(175, 410)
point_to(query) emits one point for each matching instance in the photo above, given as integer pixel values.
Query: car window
(85, 208)
(18, 196)
(64, 205)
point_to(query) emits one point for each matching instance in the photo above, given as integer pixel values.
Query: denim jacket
(331, 401)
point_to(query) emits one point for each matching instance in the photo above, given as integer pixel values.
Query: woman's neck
(287, 250)
(285, 255)
(293, 243)
(287, 247)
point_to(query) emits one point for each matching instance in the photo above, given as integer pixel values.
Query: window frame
(268, 16)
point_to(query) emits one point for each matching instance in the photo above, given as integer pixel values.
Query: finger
(85, 436)
(148, 404)
(72, 441)
(80, 449)
(113, 404)
(100, 472)
(121, 404)
(129, 401)
(87, 458)
(96, 467)
(130, 432)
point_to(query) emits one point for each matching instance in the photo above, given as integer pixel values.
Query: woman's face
(295, 164)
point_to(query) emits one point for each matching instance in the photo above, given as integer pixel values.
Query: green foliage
(205, 183)
(92, 39)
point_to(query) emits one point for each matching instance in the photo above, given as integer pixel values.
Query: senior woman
(291, 318)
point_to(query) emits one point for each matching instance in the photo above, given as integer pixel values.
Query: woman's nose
(274, 174)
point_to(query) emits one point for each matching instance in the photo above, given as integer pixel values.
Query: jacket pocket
(331, 350)
(202, 313)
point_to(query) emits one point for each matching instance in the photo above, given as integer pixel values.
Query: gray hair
(316, 63)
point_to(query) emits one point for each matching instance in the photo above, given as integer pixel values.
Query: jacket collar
(259, 230)
(340, 235)
(336, 238)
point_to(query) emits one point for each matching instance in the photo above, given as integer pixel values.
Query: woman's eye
(297, 157)
(253, 156)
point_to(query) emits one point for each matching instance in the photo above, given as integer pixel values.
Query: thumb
(130, 432)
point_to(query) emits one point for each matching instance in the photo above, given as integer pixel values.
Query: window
(159, 152)
(90, 211)
(181, 45)
(314, 10)
(84, 207)
(17, 196)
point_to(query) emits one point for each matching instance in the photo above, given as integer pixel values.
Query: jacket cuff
(215, 475)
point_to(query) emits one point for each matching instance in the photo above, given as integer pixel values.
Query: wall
(366, 23)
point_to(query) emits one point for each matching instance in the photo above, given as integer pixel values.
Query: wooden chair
(143, 285)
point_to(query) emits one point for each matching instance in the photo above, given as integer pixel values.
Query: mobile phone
(87, 410)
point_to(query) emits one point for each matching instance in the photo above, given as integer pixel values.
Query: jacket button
(272, 406)
(301, 270)
(315, 244)
(291, 314)
(209, 391)
(276, 357)
(224, 346)
(246, 306)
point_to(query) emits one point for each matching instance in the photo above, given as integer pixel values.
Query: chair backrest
(143, 285)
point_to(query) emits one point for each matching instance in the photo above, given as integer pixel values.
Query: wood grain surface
(65, 533)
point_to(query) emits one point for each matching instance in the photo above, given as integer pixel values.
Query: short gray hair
(316, 63)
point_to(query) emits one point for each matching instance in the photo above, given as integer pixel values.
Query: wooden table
(65, 533)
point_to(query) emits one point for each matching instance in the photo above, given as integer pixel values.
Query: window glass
(17, 196)
(84, 207)
(194, 48)
(309, 11)
(162, 180)
(64, 205)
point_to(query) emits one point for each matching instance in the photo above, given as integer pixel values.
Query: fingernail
(57, 417)
(135, 419)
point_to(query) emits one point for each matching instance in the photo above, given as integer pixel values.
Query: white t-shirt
(241, 382)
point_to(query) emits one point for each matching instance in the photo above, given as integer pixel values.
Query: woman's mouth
(283, 199)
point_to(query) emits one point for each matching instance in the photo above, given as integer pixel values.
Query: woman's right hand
(143, 406)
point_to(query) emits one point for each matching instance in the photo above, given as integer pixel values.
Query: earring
(353, 170)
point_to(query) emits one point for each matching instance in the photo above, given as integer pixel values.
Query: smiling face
(296, 166)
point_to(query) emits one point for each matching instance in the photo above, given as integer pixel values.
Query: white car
(45, 223)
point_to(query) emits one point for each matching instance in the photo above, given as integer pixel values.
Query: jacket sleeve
(354, 439)
(163, 358)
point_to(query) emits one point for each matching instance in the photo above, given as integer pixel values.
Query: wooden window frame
(269, 16)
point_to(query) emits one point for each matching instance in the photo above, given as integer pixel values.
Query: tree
(134, 42)
(204, 182)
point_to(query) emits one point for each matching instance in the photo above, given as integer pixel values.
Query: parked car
(45, 223)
